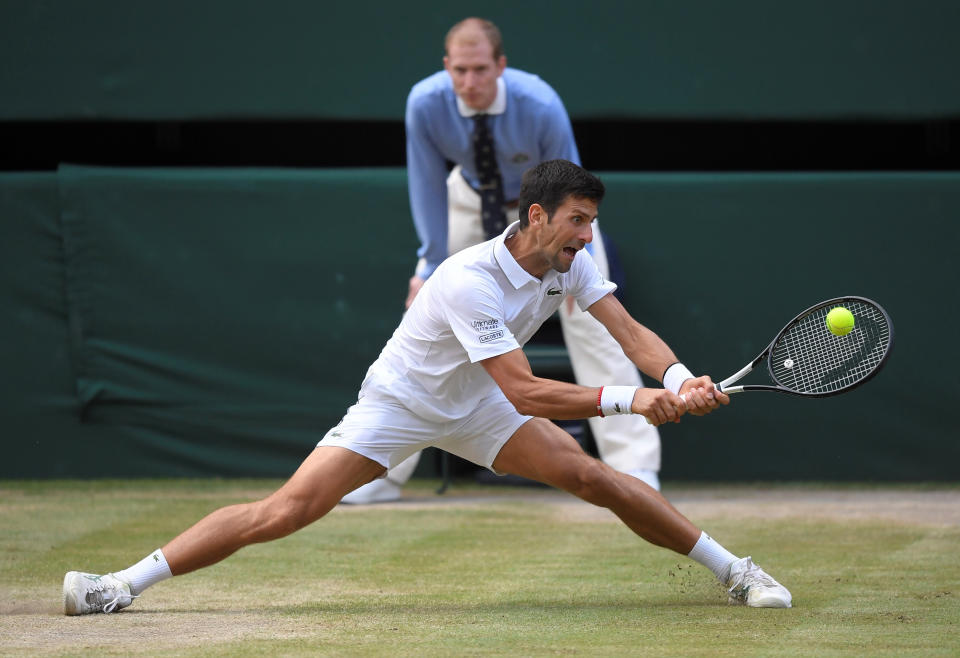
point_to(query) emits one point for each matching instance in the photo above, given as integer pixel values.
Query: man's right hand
(415, 284)
(658, 405)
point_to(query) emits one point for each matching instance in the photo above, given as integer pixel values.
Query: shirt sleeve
(476, 317)
(426, 180)
(557, 139)
(588, 285)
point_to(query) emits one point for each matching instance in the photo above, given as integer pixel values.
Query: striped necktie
(491, 185)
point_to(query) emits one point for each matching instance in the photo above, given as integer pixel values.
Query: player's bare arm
(652, 355)
(549, 398)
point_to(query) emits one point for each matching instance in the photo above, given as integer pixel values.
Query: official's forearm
(426, 180)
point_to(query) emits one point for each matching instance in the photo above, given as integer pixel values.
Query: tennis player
(453, 375)
(527, 124)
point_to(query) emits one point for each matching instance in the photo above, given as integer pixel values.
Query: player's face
(474, 70)
(567, 232)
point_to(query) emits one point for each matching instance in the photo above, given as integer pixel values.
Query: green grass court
(490, 571)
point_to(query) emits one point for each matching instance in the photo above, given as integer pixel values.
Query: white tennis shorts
(380, 428)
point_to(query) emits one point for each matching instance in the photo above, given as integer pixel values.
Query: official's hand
(658, 405)
(701, 396)
(415, 284)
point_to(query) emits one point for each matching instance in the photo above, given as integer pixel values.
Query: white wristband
(674, 376)
(617, 400)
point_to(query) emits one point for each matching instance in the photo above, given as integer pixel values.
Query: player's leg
(628, 443)
(542, 451)
(314, 489)
(376, 433)
(539, 450)
(387, 488)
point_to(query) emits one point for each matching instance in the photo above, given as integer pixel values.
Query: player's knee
(280, 516)
(589, 479)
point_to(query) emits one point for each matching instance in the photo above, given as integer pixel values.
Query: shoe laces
(101, 592)
(749, 577)
(112, 604)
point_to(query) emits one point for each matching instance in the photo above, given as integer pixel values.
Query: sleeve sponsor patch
(486, 338)
(485, 325)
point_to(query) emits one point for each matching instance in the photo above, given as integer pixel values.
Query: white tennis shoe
(652, 478)
(750, 585)
(86, 593)
(379, 491)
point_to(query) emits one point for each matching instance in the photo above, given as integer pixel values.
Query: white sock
(148, 571)
(713, 556)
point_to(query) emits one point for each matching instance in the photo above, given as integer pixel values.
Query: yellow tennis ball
(840, 321)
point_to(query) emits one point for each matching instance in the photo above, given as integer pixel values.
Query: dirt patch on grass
(134, 632)
(909, 506)
(898, 504)
(29, 627)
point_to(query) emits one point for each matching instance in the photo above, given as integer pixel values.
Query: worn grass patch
(483, 571)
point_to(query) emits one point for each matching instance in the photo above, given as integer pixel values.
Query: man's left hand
(701, 396)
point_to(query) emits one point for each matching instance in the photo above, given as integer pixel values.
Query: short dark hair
(550, 183)
(491, 31)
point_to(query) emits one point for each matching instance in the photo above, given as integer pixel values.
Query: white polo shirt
(479, 303)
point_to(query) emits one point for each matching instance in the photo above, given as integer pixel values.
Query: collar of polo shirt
(516, 275)
(499, 105)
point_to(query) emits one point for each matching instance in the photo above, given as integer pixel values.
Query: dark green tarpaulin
(198, 322)
(236, 306)
(699, 59)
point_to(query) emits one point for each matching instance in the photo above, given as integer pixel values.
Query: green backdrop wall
(196, 322)
(116, 59)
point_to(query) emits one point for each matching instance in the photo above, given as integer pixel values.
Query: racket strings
(807, 358)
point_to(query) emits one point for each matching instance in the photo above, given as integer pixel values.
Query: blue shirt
(533, 127)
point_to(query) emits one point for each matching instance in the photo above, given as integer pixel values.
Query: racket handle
(717, 387)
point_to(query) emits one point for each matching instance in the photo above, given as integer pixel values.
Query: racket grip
(716, 387)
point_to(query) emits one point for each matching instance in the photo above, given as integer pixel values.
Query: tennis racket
(806, 359)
